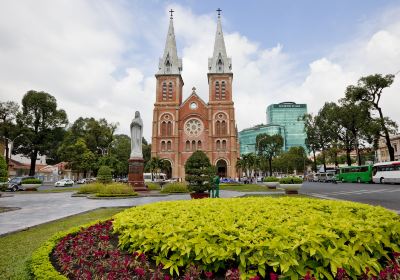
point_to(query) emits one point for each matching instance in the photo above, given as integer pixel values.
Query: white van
(155, 177)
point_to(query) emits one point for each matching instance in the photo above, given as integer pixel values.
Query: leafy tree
(369, 91)
(78, 156)
(3, 170)
(296, 159)
(312, 139)
(8, 114)
(104, 174)
(146, 149)
(269, 146)
(38, 121)
(199, 172)
(155, 165)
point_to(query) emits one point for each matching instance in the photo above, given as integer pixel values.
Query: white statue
(136, 136)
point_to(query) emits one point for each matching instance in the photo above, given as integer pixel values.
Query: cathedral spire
(219, 63)
(170, 63)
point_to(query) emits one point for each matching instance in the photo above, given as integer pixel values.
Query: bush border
(40, 265)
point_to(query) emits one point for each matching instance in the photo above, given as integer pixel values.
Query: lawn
(17, 248)
(68, 189)
(246, 188)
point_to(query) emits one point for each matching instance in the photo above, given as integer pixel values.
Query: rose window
(193, 127)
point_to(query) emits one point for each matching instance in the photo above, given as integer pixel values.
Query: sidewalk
(39, 208)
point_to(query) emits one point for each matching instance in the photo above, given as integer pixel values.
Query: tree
(38, 121)
(269, 146)
(369, 91)
(199, 172)
(8, 115)
(3, 170)
(312, 139)
(104, 174)
(146, 149)
(248, 163)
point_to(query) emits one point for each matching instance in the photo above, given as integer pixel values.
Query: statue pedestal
(135, 174)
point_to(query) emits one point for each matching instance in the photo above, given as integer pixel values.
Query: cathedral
(181, 127)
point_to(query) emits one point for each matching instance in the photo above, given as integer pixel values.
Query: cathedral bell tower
(165, 132)
(222, 135)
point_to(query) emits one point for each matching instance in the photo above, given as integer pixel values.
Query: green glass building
(247, 137)
(289, 115)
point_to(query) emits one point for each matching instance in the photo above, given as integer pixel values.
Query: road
(384, 195)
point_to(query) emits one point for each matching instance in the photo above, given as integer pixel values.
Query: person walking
(216, 186)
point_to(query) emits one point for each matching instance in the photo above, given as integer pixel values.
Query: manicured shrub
(104, 190)
(32, 181)
(3, 170)
(153, 186)
(175, 188)
(271, 179)
(289, 236)
(199, 172)
(104, 175)
(291, 180)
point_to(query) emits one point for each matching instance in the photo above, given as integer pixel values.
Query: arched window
(187, 146)
(223, 128)
(224, 145)
(223, 92)
(199, 145)
(218, 128)
(217, 93)
(169, 128)
(218, 145)
(163, 129)
(163, 146)
(193, 145)
(164, 91)
(169, 146)
(170, 89)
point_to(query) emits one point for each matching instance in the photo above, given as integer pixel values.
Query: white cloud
(72, 49)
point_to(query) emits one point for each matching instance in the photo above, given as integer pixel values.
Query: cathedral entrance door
(222, 168)
(167, 168)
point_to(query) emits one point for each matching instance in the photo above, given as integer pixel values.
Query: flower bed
(255, 238)
(289, 236)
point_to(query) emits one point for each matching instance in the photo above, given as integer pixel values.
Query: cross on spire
(171, 11)
(219, 12)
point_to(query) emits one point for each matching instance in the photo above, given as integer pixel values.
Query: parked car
(82, 181)
(15, 183)
(64, 183)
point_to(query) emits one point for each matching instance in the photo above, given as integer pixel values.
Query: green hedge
(153, 186)
(104, 190)
(40, 264)
(31, 181)
(104, 175)
(175, 188)
(290, 180)
(271, 179)
(287, 235)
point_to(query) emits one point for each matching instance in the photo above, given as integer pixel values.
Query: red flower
(208, 274)
(255, 278)
(167, 277)
(273, 276)
(140, 271)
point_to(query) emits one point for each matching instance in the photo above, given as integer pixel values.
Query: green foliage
(8, 113)
(153, 186)
(291, 180)
(175, 188)
(3, 170)
(269, 146)
(199, 172)
(32, 181)
(40, 122)
(271, 179)
(287, 235)
(103, 190)
(104, 175)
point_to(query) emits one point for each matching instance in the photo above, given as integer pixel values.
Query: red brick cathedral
(182, 127)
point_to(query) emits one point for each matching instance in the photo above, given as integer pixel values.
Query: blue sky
(98, 58)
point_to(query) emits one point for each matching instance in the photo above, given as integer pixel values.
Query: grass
(246, 188)
(105, 190)
(17, 248)
(175, 188)
(6, 209)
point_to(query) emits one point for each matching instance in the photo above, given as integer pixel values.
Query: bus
(359, 174)
(386, 172)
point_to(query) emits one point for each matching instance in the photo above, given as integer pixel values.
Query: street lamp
(11, 142)
(103, 150)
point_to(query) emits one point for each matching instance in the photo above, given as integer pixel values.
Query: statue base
(135, 174)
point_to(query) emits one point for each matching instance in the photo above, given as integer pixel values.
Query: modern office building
(247, 137)
(289, 115)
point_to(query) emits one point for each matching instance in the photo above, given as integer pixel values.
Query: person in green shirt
(216, 186)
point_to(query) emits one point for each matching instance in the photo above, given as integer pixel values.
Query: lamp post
(11, 142)
(103, 150)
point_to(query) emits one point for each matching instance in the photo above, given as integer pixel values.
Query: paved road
(376, 194)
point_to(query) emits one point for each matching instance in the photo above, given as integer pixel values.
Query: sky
(98, 58)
